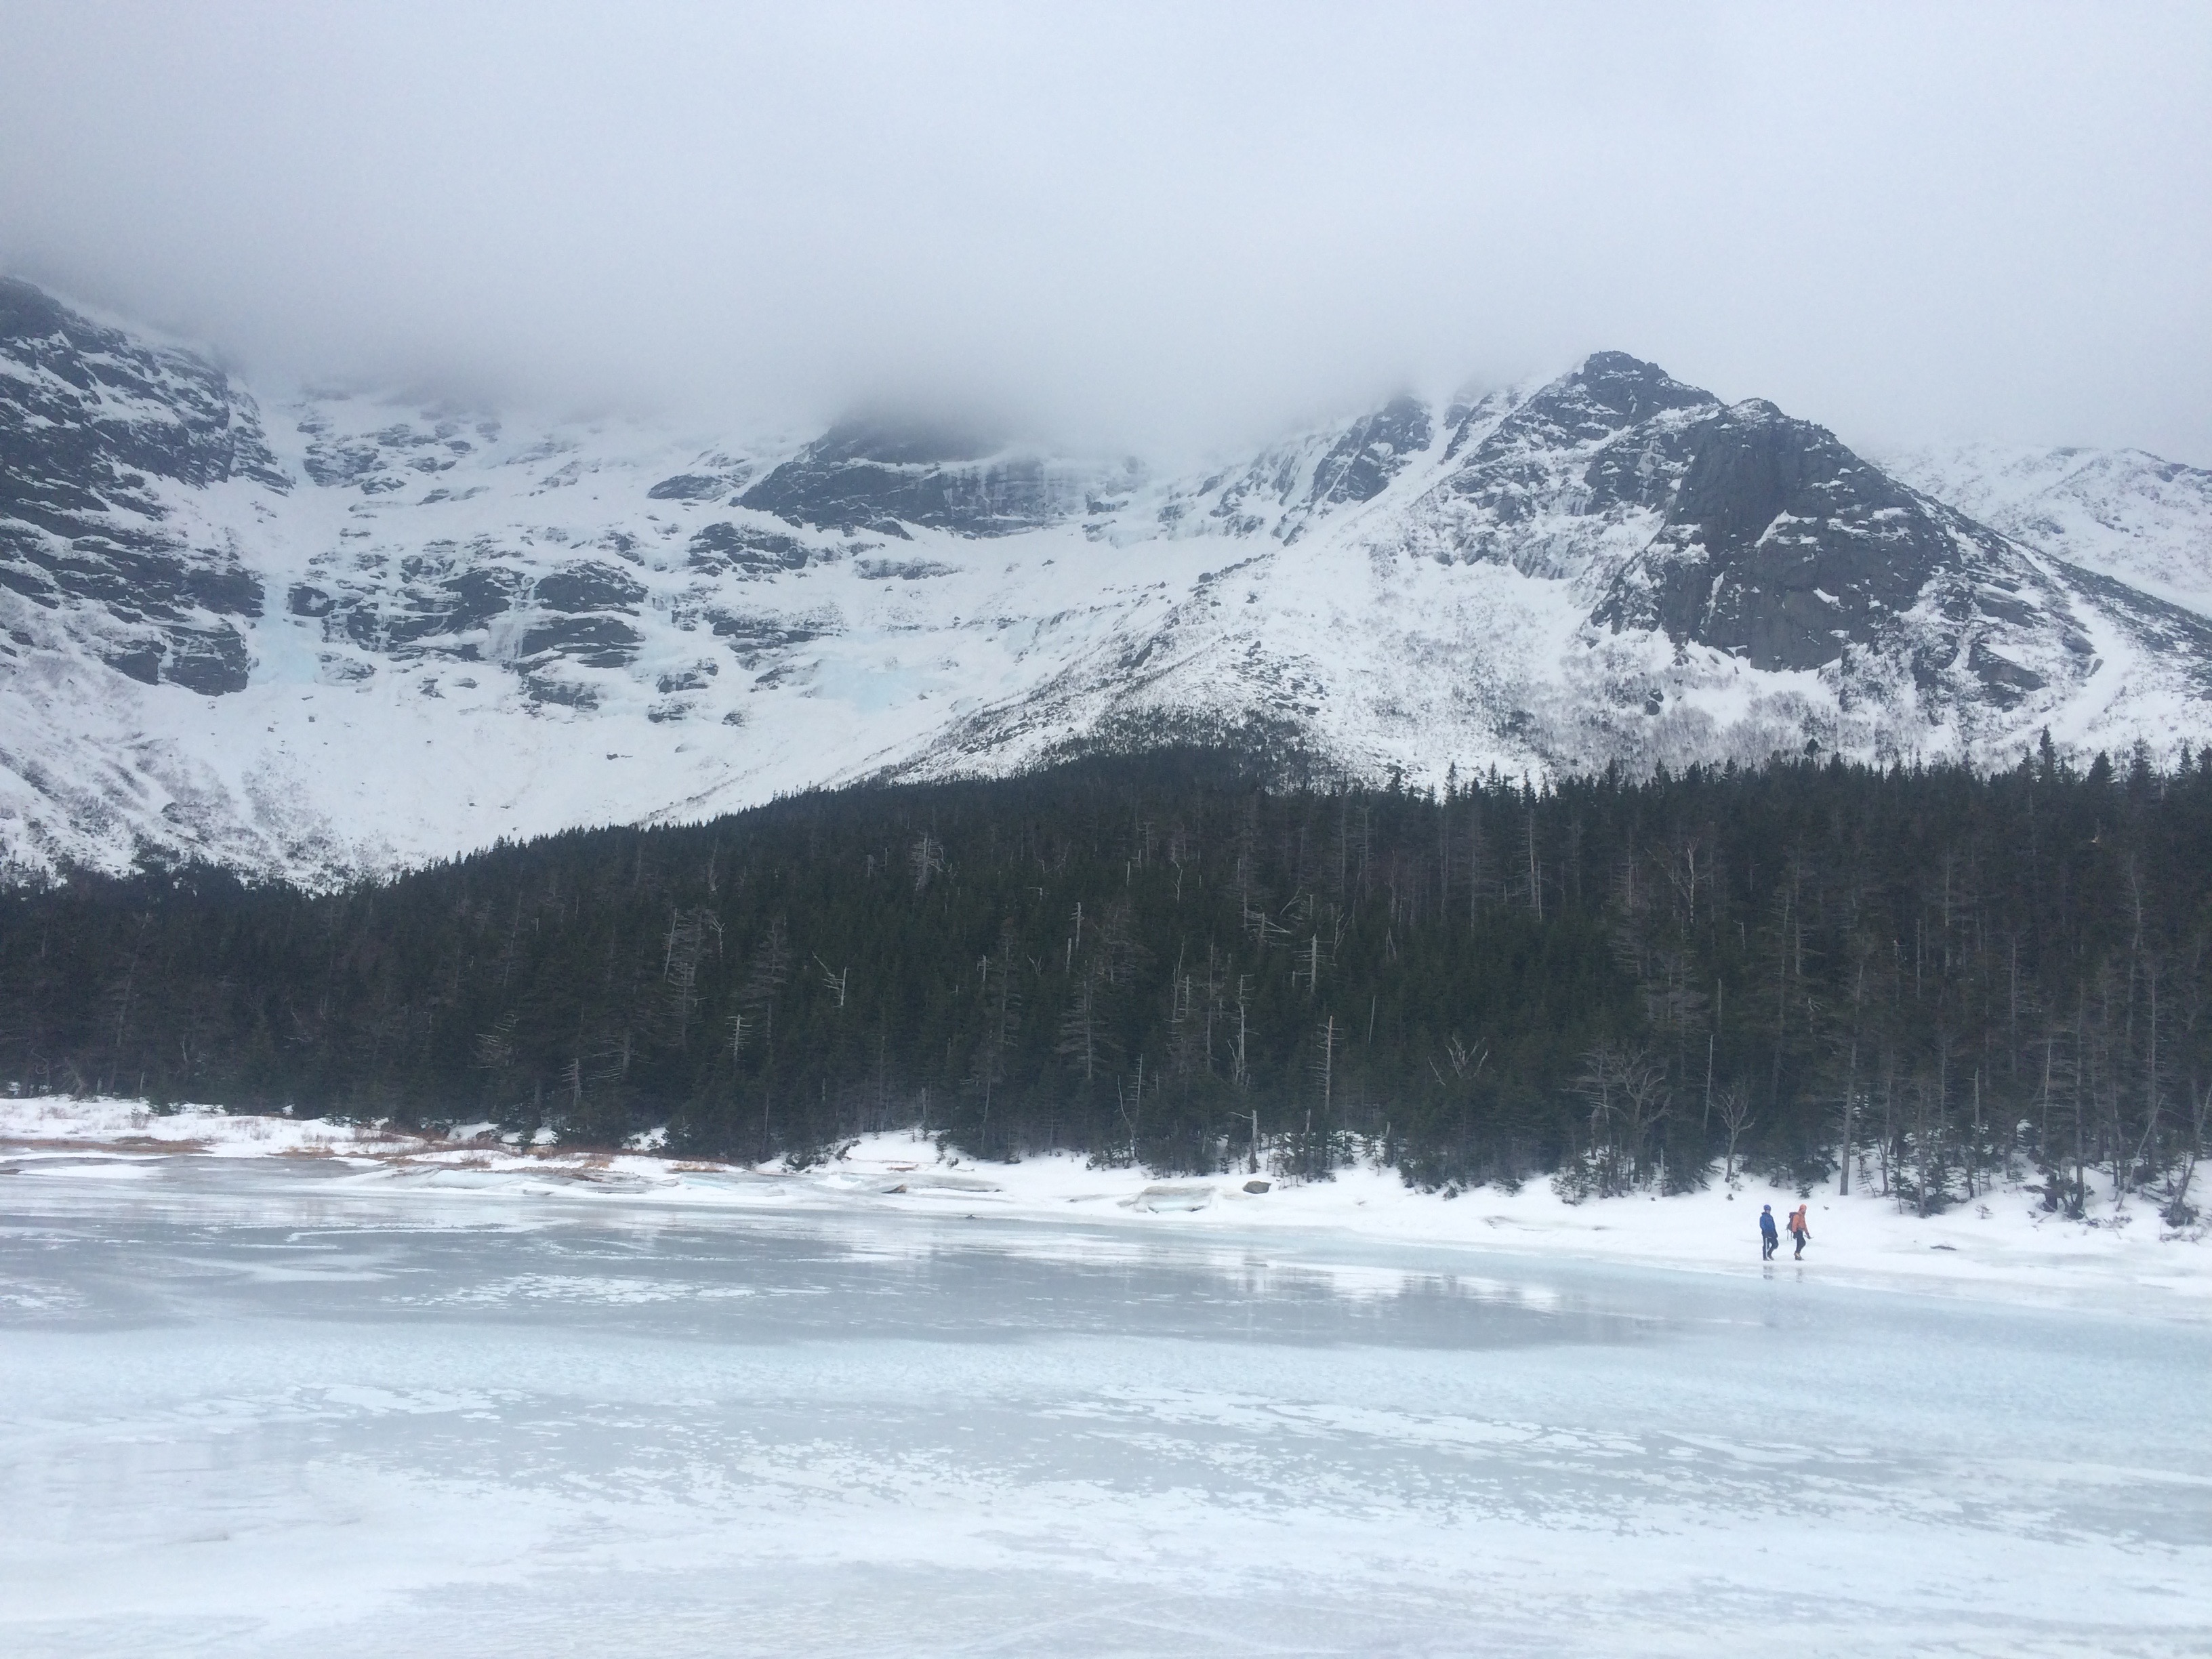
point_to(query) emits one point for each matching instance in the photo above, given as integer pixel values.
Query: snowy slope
(313, 634)
(2120, 511)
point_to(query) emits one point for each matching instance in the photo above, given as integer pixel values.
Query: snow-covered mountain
(316, 633)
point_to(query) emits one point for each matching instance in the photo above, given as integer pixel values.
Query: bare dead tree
(1735, 1113)
(926, 858)
(1084, 1035)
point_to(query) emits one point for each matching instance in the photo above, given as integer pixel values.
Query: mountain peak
(1631, 387)
(28, 312)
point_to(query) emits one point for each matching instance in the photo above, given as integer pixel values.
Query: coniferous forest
(1934, 975)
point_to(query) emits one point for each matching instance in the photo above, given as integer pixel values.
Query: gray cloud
(1152, 226)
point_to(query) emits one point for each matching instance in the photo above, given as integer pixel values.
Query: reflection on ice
(269, 1411)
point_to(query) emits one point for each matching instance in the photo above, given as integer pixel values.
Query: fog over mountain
(1162, 229)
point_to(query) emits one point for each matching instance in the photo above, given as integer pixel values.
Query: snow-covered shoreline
(2002, 1248)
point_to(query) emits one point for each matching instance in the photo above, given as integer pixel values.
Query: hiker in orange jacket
(1801, 1231)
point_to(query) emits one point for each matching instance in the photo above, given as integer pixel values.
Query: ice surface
(2120, 1256)
(258, 1409)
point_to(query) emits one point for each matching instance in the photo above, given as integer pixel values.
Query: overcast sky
(1151, 227)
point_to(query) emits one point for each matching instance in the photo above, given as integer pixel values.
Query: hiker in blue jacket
(1768, 1237)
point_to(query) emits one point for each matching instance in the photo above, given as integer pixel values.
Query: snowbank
(2005, 1247)
(58, 1125)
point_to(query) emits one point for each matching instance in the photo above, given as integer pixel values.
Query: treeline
(1934, 975)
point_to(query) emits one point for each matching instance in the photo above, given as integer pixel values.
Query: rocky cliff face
(99, 437)
(1778, 545)
(882, 477)
(354, 632)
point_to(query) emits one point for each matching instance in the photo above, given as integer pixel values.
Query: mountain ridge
(318, 634)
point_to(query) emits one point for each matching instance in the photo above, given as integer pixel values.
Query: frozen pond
(252, 1412)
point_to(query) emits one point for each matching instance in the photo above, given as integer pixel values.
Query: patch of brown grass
(125, 1144)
